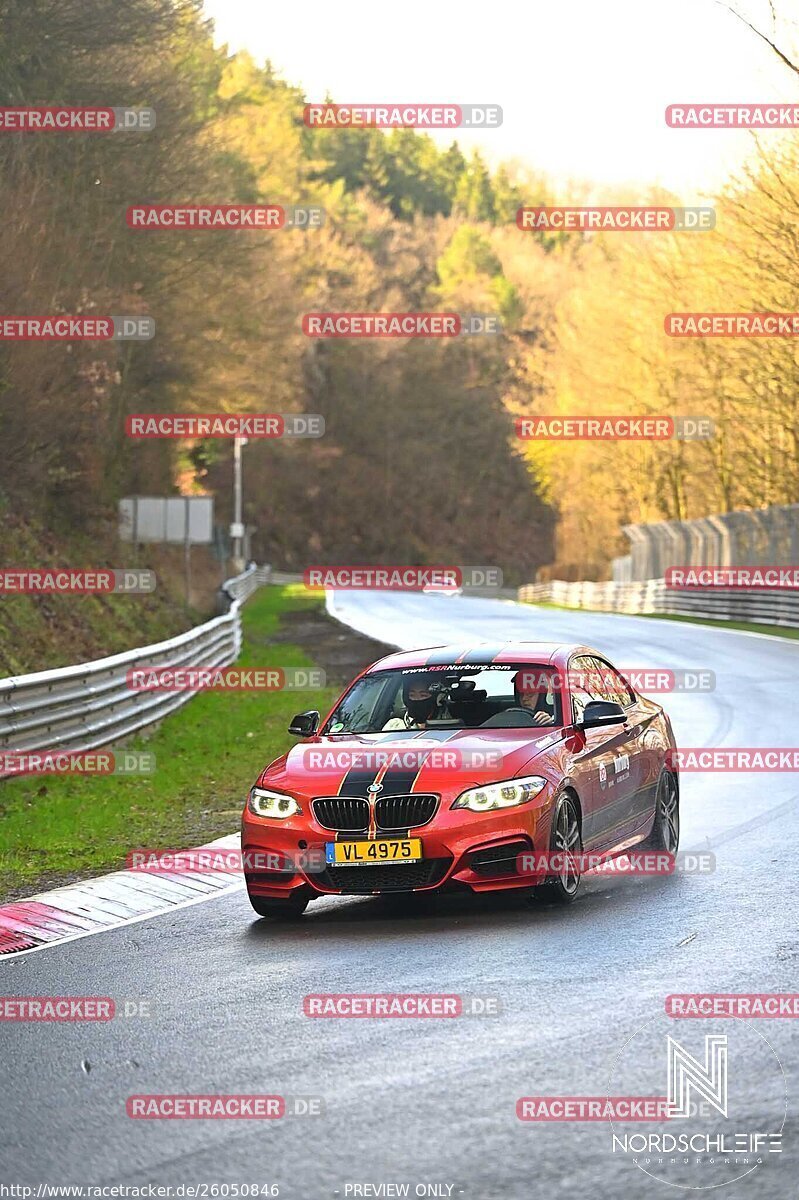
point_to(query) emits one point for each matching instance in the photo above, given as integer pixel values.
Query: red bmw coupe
(444, 768)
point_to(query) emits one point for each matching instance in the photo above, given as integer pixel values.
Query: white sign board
(176, 520)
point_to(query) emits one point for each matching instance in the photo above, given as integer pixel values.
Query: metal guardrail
(652, 596)
(90, 705)
(285, 577)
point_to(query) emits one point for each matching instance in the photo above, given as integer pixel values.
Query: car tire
(665, 832)
(564, 838)
(289, 909)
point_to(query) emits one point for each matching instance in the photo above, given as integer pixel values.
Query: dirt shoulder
(339, 651)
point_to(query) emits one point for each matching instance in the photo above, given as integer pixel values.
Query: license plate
(383, 850)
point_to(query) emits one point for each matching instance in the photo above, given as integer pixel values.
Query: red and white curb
(121, 898)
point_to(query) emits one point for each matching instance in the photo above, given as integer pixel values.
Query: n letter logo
(709, 1080)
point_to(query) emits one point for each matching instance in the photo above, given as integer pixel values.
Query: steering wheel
(497, 721)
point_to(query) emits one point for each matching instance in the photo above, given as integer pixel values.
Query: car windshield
(506, 696)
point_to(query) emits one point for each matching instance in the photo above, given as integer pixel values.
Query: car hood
(444, 761)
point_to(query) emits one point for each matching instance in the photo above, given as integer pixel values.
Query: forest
(420, 462)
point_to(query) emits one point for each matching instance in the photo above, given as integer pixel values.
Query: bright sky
(583, 83)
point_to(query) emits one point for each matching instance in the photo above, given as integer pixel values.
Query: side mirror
(305, 724)
(601, 712)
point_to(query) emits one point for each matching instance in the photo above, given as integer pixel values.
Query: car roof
(482, 654)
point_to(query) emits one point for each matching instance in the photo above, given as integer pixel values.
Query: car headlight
(276, 805)
(501, 795)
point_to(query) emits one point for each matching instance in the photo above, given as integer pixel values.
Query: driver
(419, 702)
(531, 695)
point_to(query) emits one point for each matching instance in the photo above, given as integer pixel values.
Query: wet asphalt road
(431, 1103)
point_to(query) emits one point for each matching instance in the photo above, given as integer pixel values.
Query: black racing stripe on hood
(399, 781)
(356, 781)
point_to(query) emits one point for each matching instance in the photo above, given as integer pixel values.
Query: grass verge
(785, 631)
(57, 828)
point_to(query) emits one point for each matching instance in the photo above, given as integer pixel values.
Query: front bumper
(462, 850)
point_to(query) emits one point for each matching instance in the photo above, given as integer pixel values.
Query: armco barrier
(776, 607)
(89, 705)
